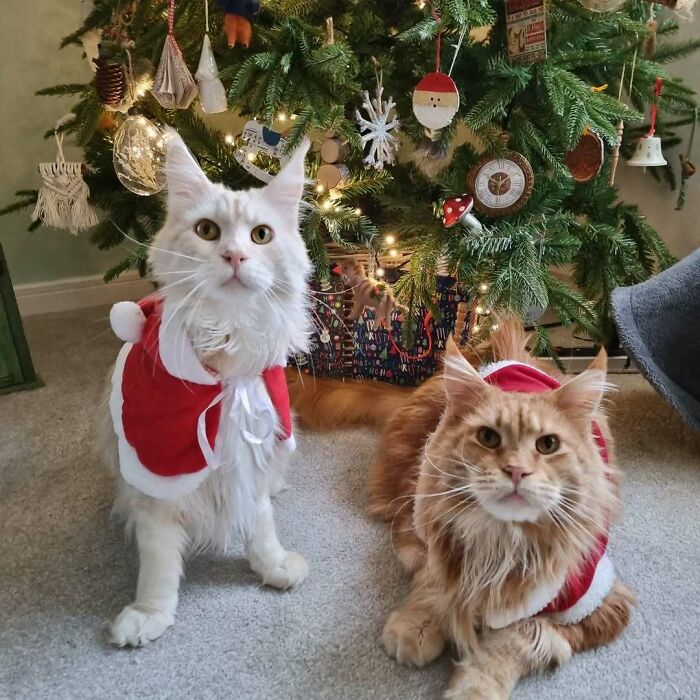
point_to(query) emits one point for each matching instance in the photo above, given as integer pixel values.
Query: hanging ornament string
(438, 47)
(206, 16)
(658, 85)
(171, 19)
(462, 34)
(687, 168)
(421, 356)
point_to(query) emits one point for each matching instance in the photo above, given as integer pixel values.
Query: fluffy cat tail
(327, 404)
(509, 342)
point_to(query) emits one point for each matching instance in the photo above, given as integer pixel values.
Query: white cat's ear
(463, 384)
(288, 185)
(583, 394)
(186, 182)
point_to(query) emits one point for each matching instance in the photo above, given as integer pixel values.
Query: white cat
(198, 411)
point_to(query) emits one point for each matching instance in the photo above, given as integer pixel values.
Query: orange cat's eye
(261, 234)
(488, 437)
(547, 444)
(207, 229)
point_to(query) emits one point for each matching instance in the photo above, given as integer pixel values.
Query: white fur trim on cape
(134, 473)
(538, 600)
(492, 367)
(601, 585)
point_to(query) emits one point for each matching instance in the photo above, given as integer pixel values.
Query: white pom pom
(127, 321)
(288, 444)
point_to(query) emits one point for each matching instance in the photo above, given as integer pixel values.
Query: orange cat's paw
(414, 641)
(470, 683)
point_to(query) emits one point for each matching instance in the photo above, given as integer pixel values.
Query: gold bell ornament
(648, 152)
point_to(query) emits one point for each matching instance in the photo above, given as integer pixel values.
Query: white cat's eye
(261, 234)
(547, 444)
(207, 229)
(489, 437)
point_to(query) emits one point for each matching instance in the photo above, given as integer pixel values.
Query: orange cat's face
(521, 457)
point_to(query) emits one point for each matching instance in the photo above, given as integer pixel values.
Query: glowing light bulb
(379, 272)
(393, 252)
(251, 157)
(327, 204)
(390, 240)
(282, 116)
(358, 212)
(293, 117)
(229, 139)
(477, 328)
(494, 327)
(320, 188)
(480, 309)
(483, 287)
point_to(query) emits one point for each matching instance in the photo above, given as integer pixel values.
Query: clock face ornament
(501, 185)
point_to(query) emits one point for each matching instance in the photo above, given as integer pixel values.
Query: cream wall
(680, 229)
(29, 38)
(30, 59)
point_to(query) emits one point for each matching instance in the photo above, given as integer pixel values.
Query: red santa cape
(581, 591)
(167, 407)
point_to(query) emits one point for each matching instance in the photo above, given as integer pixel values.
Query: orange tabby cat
(498, 500)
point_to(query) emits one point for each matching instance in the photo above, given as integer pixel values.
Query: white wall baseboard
(78, 293)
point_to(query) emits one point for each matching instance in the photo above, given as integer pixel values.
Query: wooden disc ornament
(435, 100)
(332, 175)
(586, 159)
(501, 185)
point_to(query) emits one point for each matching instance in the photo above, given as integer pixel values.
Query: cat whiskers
(141, 244)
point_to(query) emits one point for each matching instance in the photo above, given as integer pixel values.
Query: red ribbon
(655, 107)
(403, 354)
(436, 17)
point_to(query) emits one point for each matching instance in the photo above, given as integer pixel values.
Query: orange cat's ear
(463, 384)
(583, 394)
(600, 362)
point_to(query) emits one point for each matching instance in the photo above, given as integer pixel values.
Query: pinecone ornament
(110, 82)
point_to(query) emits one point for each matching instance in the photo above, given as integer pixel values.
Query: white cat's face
(230, 247)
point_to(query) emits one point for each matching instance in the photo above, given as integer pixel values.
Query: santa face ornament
(435, 100)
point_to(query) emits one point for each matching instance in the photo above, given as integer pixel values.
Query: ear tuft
(583, 394)
(463, 384)
(186, 181)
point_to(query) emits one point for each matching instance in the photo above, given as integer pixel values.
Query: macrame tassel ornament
(173, 87)
(212, 95)
(63, 197)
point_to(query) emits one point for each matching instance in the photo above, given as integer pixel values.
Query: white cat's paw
(134, 627)
(289, 573)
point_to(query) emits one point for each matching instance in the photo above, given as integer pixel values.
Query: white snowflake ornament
(376, 130)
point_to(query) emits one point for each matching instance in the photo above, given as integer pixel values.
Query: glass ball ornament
(139, 156)
(602, 5)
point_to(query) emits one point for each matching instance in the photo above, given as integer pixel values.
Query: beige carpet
(65, 570)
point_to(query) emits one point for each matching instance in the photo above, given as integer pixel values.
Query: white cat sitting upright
(198, 427)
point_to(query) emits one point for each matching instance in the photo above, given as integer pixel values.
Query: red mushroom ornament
(458, 210)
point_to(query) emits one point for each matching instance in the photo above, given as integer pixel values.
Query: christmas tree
(519, 105)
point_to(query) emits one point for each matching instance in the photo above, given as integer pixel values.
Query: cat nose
(234, 258)
(517, 474)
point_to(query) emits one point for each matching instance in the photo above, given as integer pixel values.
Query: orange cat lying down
(500, 490)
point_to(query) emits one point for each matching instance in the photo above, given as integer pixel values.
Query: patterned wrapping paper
(351, 349)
